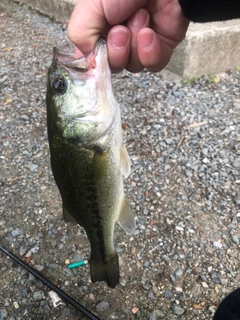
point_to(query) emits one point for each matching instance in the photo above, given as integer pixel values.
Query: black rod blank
(61, 293)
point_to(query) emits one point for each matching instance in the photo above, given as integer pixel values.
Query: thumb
(86, 22)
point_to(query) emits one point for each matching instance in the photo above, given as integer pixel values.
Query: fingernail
(145, 40)
(118, 38)
(138, 19)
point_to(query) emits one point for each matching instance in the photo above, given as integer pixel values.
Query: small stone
(176, 309)
(173, 278)
(146, 264)
(35, 249)
(205, 160)
(150, 295)
(17, 232)
(212, 309)
(24, 117)
(25, 292)
(203, 277)
(178, 272)
(168, 294)
(223, 281)
(32, 167)
(235, 239)
(133, 250)
(157, 315)
(181, 296)
(38, 267)
(169, 141)
(237, 198)
(103, 306)
(179, 228)
(134, 310)
(204, 285)
(67, 273)
(123, 282)
(16, 305)
(188, 173)
(3, 314)
(166, 258)
(77, 257)
(65, 313)
(205, 151)
(217, 244)
(38, 295)
(46, 308)
(37, 204)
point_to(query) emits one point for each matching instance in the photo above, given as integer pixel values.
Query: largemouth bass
(88, 158)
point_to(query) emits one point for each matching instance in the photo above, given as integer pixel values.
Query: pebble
(103, 306)
(17, 232)
(235, 239)
(3, 314)
(25, 291)
(38, 267)
(77, 257)
(22, 250)
(168, 294)
(123, 282)
(38, 295)
(204, 284)
(150, 294)
(157, 315)
(178, 272)
(67, 273)
(166, 258)
(32, 167)
(169, 141)
(16, 305)
(237, 199)
(65, 313)
(176, 309)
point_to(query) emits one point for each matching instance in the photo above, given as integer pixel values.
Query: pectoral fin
(126, 218)
(125, 163)
(67, 216)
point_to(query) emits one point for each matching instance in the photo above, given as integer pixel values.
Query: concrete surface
(208, 48)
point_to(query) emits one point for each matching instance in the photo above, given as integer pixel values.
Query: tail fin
(107, 271)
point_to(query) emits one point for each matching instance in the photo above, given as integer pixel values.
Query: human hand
(140, 33)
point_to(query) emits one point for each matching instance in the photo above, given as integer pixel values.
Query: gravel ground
(184, 143)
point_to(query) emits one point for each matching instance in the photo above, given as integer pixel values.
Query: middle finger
(140, 19)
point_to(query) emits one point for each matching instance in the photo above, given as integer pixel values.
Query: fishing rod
(50, 285)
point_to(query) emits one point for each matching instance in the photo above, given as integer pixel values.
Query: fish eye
(59, 85)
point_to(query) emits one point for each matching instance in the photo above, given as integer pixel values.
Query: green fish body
(88, 158)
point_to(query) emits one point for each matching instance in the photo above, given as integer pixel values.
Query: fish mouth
(86, 64)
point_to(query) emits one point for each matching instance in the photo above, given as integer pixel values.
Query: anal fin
(126, 218)
(67, 216)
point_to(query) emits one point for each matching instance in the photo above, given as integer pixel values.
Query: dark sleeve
(210, 10)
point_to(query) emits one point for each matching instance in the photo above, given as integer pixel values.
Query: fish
(87, 154)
